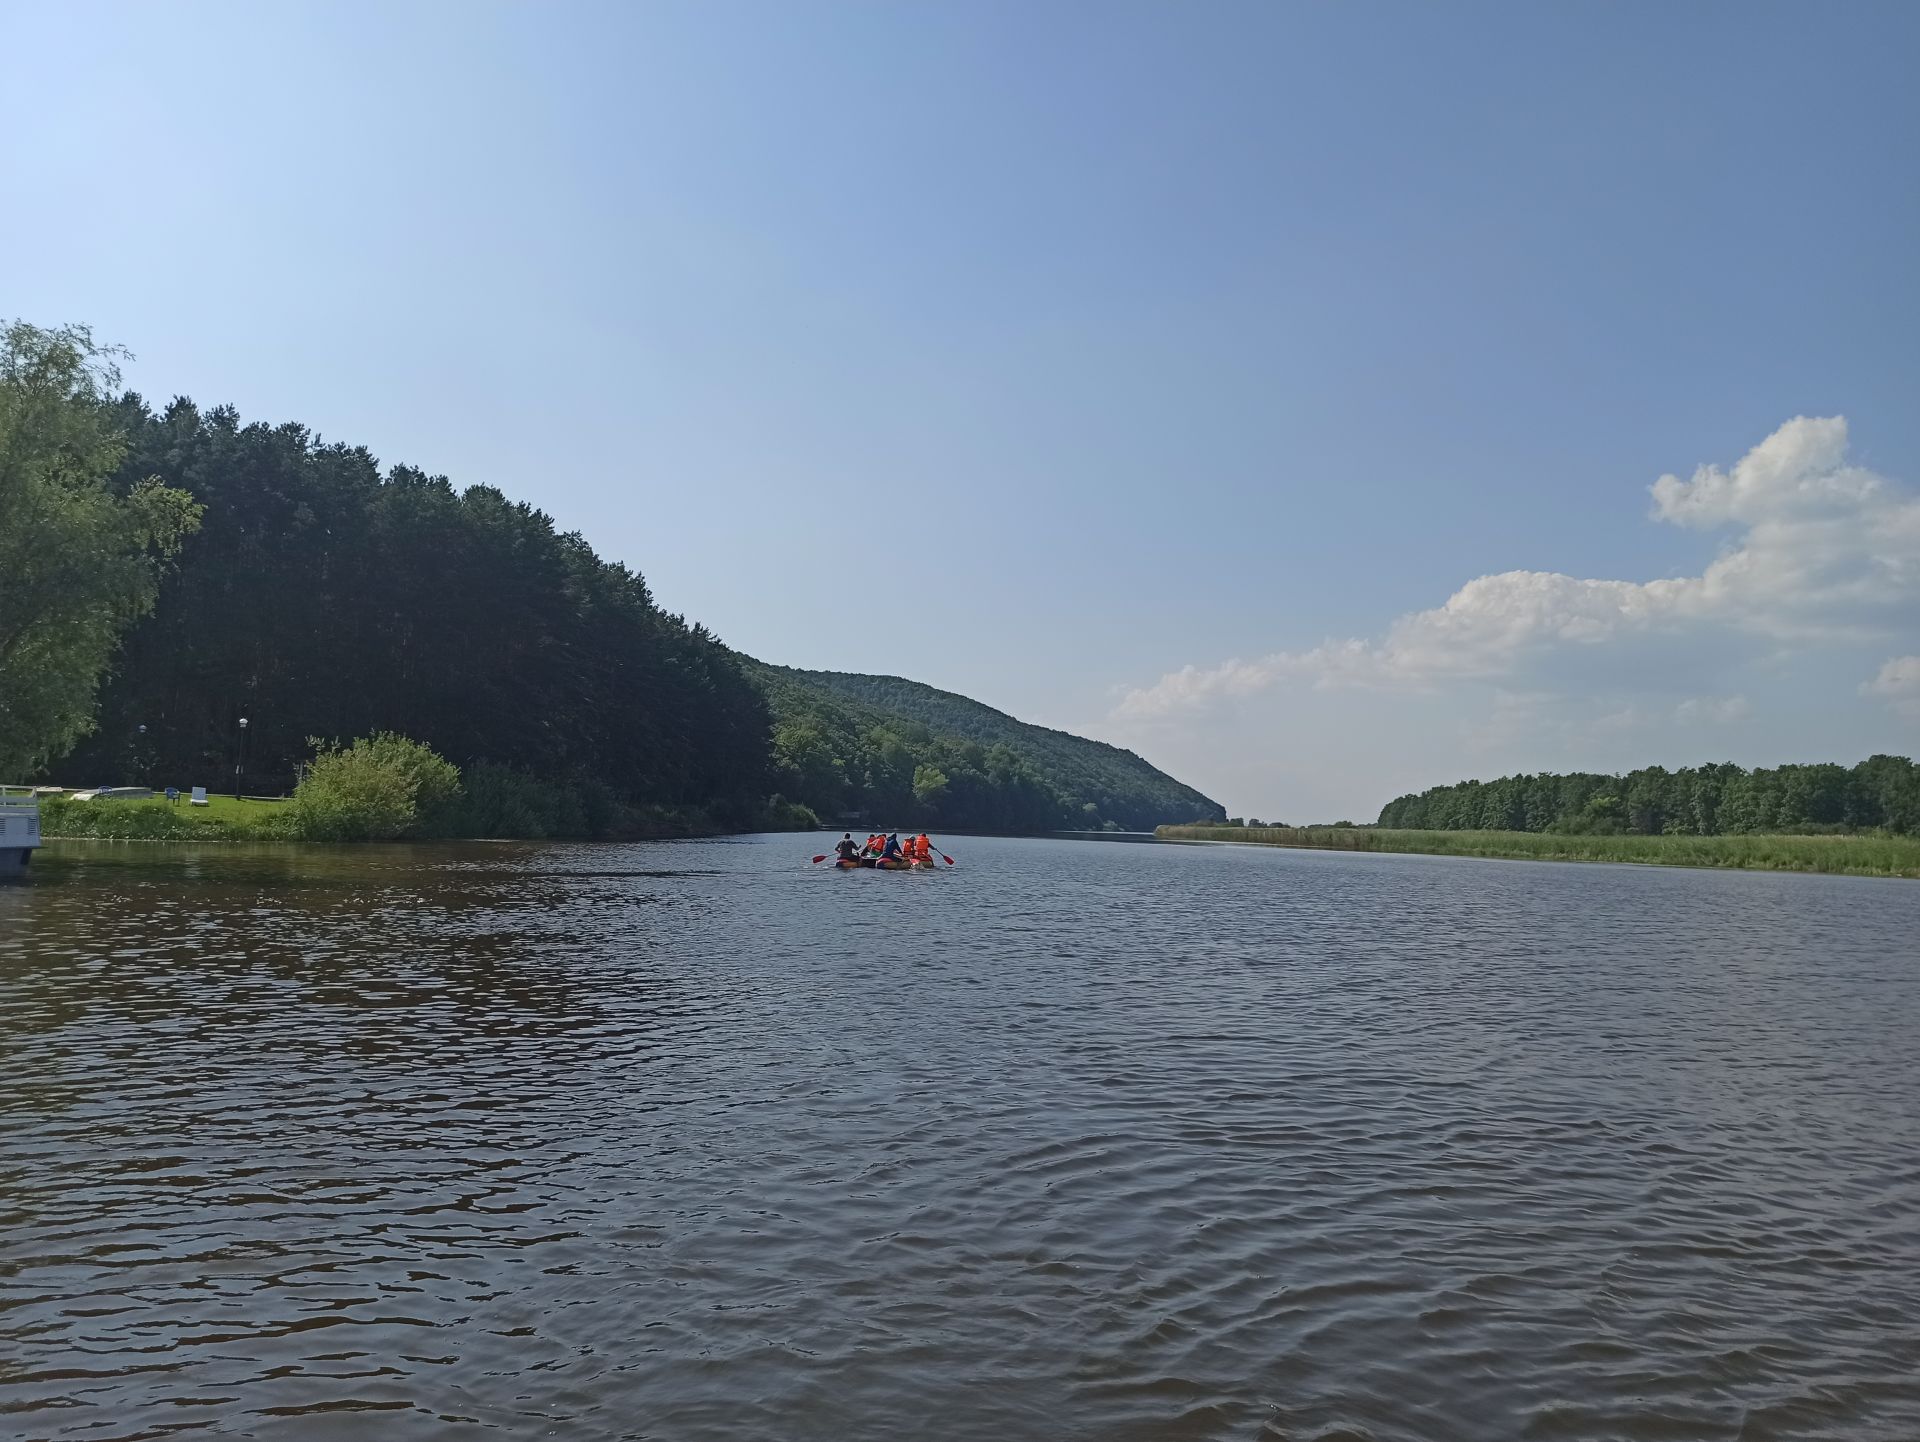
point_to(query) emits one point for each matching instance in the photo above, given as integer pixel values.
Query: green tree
(929, 786)
(80, 558)
(322, 597)
(805, 763)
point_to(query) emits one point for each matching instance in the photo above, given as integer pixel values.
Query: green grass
(1860, 855)
(261, 819)
(221, 819)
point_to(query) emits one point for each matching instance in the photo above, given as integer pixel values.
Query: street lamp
(141, 767)
(240, 759)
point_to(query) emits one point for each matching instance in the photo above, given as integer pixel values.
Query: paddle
(821, 857)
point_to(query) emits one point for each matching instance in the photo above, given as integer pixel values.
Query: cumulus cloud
(1823, 551)
(1899, 682)
(1798, 470)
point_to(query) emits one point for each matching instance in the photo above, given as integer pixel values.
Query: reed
(1864, 854)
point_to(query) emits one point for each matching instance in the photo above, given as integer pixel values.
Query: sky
(1325, 401)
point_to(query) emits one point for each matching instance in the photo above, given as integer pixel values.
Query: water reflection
(692, 1140)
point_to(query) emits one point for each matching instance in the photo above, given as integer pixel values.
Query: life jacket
(922, 848)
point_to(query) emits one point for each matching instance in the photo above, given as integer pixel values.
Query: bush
(500, 803)
(436, 780)
(381, 787)
(785, 815)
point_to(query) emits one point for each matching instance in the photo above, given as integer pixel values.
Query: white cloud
(1825, 551)
(1712, 710)
(1899, 682)
(1799, 469)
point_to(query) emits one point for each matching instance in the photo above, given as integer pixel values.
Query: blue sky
(1150, 371)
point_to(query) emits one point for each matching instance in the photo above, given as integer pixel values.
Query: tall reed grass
(1865, 854)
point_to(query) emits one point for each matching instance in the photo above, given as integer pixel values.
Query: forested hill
(1882, 792)
(323, 596)
(897, 750)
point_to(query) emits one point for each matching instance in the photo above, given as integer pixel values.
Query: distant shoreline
(1856, 855)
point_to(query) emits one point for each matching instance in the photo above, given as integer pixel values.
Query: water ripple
(689, 1140)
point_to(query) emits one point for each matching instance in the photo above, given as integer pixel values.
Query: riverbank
(256, 819)
(1862, 855)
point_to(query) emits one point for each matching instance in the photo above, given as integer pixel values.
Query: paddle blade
(946, 858)
(820, 858)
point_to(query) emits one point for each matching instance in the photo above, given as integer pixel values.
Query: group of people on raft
(885, 849)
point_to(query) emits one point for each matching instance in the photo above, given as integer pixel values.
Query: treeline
(189, 599)
(1881, 793)
(323, 597)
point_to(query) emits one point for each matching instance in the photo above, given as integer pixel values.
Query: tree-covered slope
(901, 752)
(325, 596)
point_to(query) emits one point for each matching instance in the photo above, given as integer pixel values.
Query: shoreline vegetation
(186, 596)
(258, 819)
(391, 788)
(1833, 855)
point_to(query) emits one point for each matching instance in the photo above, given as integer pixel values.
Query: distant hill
(900, 753)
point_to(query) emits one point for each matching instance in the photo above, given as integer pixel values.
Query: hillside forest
(298, 583)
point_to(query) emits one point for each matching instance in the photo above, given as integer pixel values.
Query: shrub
(785, 815)
(436, 780)
(500, 803)
(110, 820)
(381, 787)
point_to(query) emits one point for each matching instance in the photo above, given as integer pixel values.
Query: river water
(1077, 1141)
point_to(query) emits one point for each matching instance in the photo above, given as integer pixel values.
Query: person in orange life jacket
(923, 849)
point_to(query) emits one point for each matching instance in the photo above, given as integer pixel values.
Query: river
(693, 1140)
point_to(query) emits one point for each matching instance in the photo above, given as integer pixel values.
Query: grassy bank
(223, 818)
(1861, 855)
(251, 819)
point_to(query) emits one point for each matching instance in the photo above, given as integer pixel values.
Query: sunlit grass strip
(222, 819)
(1865, 855)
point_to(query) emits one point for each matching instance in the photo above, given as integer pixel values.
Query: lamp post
(141, 768)
(240, 759)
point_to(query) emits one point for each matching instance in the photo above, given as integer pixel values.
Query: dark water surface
(1080, 1141)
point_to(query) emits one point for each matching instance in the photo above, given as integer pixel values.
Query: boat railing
(19, 827)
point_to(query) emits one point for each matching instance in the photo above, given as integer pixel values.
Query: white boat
(19, 829)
